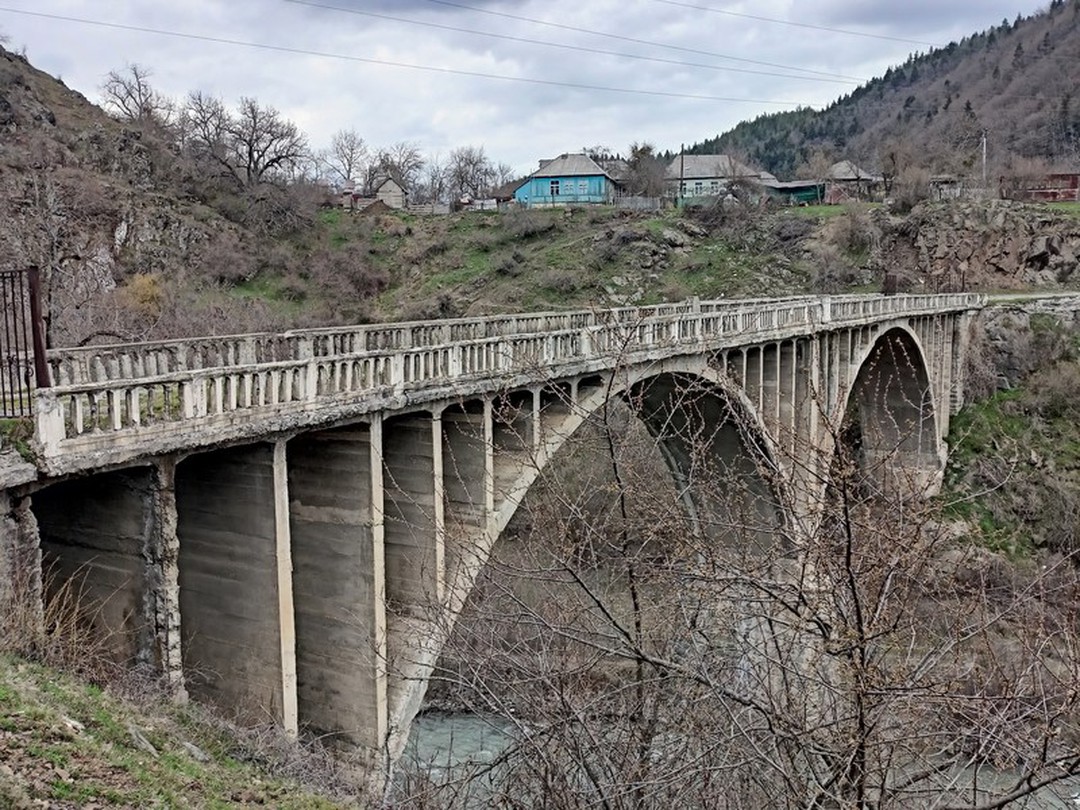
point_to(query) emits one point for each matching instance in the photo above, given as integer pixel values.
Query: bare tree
(128, 94)
(346, 157)
(470, 171)
(433, 187)
(402, 160)
(647, 175)
(643, 656)
(502, 173)
(204, 127)
(262, 144)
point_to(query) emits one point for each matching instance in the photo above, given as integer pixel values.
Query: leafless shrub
(525, 224)
(647, 657)
(910, 188)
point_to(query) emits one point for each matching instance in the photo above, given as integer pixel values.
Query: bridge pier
(336, 524)
(235, 576)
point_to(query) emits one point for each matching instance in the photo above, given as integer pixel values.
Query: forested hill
(1016, 82)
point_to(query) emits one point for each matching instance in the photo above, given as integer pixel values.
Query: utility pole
(984, 162)
(678, 196)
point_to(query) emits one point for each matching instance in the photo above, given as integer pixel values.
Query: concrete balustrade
(189, 387)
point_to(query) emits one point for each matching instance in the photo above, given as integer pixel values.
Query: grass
(66, 741)
(18, 433)
(1070, 208)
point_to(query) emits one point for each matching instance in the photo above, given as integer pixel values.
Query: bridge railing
(97, 364)
(94, 414)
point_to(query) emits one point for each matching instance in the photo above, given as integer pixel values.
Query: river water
(453, 747)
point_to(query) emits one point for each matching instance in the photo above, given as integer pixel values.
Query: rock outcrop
(982, 245)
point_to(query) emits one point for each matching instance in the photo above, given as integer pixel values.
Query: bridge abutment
(21, 604)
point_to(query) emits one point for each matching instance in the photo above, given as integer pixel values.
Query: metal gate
(22, 342)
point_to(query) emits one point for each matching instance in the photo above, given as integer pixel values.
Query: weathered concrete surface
(340, 613)
(413, 530)
(93, 534)
(21, 619)
(231, 599)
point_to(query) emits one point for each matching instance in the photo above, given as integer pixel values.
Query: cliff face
(995, 245)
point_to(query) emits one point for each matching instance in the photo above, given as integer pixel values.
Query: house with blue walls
(574, 179)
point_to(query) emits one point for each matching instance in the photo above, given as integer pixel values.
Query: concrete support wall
(93, 535)
(466, 464)
(413, 534)
(338, 586)
(21, 619)
(235, 582)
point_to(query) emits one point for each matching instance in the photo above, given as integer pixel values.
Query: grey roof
(574, 165)
(698, 167)
(846, 170)
(617, 168)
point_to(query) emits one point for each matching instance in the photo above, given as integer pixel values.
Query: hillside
(140, 239)
(1014, 82)
(66, 743)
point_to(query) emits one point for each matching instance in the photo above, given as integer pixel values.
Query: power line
(387, 63)
(811, 26)
(636, 41)
(562, 46)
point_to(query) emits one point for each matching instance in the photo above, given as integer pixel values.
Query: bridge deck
(115, 403)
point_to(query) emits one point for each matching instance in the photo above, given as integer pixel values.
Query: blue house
(567, 180)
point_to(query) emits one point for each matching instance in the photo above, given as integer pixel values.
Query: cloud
(507, 90)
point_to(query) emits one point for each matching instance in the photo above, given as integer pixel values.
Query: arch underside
(719, 459)
(889, 425)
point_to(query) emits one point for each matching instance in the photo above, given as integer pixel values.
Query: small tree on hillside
(128, 95)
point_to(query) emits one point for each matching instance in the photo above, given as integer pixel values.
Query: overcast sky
(560, 75)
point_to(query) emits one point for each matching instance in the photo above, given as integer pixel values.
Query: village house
(383, 188)
(846, 182)
(692, 176)
(570, 179)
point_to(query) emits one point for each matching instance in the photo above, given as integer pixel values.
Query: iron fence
(22, 343)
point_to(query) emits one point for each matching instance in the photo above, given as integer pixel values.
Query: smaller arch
(890, 418)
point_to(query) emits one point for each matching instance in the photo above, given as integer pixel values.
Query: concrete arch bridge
(267, 520)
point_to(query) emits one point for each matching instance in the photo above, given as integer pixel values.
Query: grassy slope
(488, 262)
(1014, 466)
(66, 743)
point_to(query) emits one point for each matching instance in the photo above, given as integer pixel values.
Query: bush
(855, 233)
(910, 188)
(525, 224)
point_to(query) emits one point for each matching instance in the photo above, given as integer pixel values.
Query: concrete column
(21, 618)
(286, 612)
(235, 582)
(753, 378)
(161, 555)
(95, 532)
(770, 388)
(334, 482)
(787, 408)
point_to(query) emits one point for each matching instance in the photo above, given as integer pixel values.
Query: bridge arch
(890, 417)
(720, 457)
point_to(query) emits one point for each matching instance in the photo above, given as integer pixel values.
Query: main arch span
(288, 525)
